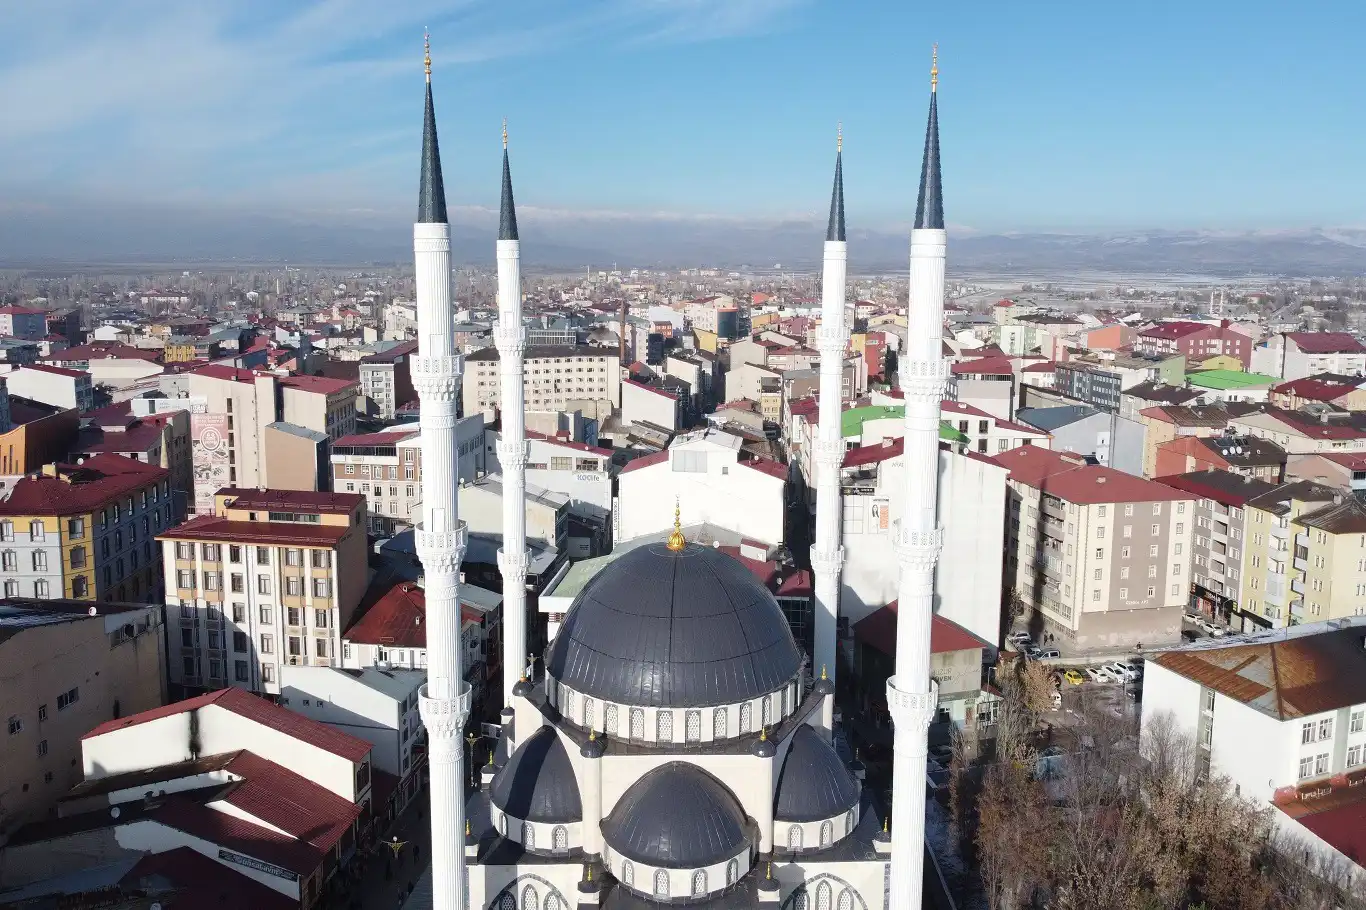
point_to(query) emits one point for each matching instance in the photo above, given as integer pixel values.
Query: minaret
(510, 339)
(911, 695)
(445, 699)
(831, 339)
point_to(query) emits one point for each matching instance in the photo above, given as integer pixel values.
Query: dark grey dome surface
(537, 783)
(661, 628)
(813, 783)
(677, 816)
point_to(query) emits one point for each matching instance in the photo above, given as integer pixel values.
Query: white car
(1099, 675)
(1121, 672)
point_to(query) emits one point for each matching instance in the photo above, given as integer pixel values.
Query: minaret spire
(929, 210)
(911, 693)
(444, 701)
(507, 210)
(431, 194)
(832, 340)
(835, 229)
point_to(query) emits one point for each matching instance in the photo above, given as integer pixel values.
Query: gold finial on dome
(823, 676)
(770, 870)
(589, 867)
(676, 540)
(467, 827)
(763, 734)
(884, 823)
(934, 68)
(592, 735)
(427, 54)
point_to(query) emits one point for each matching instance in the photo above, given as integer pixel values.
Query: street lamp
(472, 738)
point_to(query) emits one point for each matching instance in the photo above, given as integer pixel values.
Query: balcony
(1302, 539)
(1300, 564)
(1297, 585)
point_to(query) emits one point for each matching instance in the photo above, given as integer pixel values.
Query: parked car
(1057, 701)
(1099, 675)
(1033, 652)
(1050, 654)
(1121, 672)
(1073, 677)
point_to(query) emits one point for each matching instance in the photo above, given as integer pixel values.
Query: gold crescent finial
(592, 735)
(589, 867)
(505, 134)
(676, 540)
(427, 54)
(467, 827)
(884, 823)
(823, 676)
(763, 734)
(839, 136)
(934, 68)
(770, 869)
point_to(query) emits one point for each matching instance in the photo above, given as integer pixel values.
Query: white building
(706, 473)
(1283, 716)
(650, 404)
(580, 472)
(555, 378)
(57, 386)
(28, 323)
(972, 500)
(1295, 355)
(547, 511)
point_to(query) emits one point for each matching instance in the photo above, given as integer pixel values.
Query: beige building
(1265, 596)
(271, 578)
(555, 378)
(68, 666)
(1329, 561)
(1101, 559)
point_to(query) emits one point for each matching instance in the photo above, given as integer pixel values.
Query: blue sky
(1054, 114)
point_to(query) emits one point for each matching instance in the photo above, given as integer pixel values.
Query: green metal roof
(1228, 379)
(852, 420)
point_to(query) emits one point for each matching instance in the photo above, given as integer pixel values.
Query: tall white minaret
(911, 695)
(832, 338)
(441, 538)
(510, 339)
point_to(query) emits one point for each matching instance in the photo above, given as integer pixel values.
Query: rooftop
(278, 533)
(1326, 342)
(86, 487)
(18, 614)
(1229, 379)
(878, 631)
(544, 351)
(394, 615)
(292, 500)
(1071, 478)
(1220, 486)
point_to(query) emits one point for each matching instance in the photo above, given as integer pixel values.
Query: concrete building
(1298, 355)
(1299, 696)
(68, 666)
(1100, 559)
(1348, 393)
(1230, 385)
(1104, 436)
(109, 364)
(1328, 561)
(1266, 599)
(1243, 455)
(257, 790)
(547, 511)
(708, 475)
(27, 323)
(1165, 424)
(581, 473)
(386, 381)
(86, 531)
(56, 386)
(986, 383)
(972, 493)
(1220, 545)
(1344, 471)
(557, 378)
(271, 578)
(1299, 433)
(298, 458)
(158, 439)
(33, 434)
(1198, 341)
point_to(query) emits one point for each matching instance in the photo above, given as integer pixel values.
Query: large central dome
(674, 629)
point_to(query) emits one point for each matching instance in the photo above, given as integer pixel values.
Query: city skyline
(309, 115)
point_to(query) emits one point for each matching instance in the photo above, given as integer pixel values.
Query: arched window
(552, 901)
(507, 902)
(502, 824)
(628, 873)
(766, 710)
(719, 728)
(528, 836)
(692, 726)
(827, 833)
(529, 901)
(699, 883)
(664, 726)
(786, 693)
(559, 839)
(732, 872)
(567, 703)
(609, 720)
(589, 712)
(637, 723)
(849, 822)
(823, 896)
(799, 898)
(661, 883)
(846, 900)
(794, 837)
(746, 716)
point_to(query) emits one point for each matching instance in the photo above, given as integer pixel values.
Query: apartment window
(42, 748)
(1124, 572)
(1207, 700)
(263, 584)
(1321, 763)
(75, 527)
(1095, 595)
(42, 713)
(36, 531)
(9, 561)
(322, 587)
(1124, 552)
(1306, 732)
(1129, 510)
(1152, 591)
(1180, 508)
(320, 647)
(1358, 722)
(40, 560)
(1176, 589)
(16, 724)
(1178, 549)
(211, 580)
(1326, 728)
(211, 552)
(6, 530)
(239, 671)
(1180, 527)
(267, 644)
(263, 556)
(295, 646)
(292, 617)
(1354, 756)
(294, 557)
(68, 698)
(320, 619)
(1157, 508)
(184, 578)
(234, 553)
(1100, 533)
(294, 585)
(1152, 550)
(236, 582)
(40, 588)
(268, 673)
(1100, 553)
(239, 642)
(184, 550)
(80, 586)
(322, 559)
(1154, 530)
(1097, 574)
(1101, 511)
(265, 614)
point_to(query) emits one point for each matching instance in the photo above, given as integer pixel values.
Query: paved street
(381, 891)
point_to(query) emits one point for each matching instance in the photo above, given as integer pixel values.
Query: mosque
(672, 745)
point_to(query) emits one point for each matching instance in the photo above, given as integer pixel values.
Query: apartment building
(271, 578)
(28, 323)
(86, 531)
(386, 468)
(52, 385)
(1197, 340)
(67, 669)
(1244, 455)
(386, 380)
(1100, 558)
(1329, 560)
(1221, 543)
(554, 378)
(1266, 599)
(1297, 355)
(580, 472)
(1301, 433)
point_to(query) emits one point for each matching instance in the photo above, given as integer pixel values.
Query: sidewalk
(414, 830)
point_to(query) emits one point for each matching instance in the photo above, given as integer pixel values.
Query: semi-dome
(537, 784)
(677, 816)
(674, 629)
(813, 783)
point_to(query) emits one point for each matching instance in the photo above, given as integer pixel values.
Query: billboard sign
(209, 433)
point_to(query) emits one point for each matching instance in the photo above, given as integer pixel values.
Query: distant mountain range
(129, 235)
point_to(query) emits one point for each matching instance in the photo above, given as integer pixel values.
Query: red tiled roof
(288, 801)
(766, 466)
(565, 443)
(185, 814)
(650, 388)
(1173, 330)
(985, 366)
(223, 371)
(1326, 342)
(56, 371)
(1045, 367)
(872, 454)
(1313, 389)
(292, 500)
(396, 617)
(878, 631)
(265, 713)
(102, 351)
(374, 439)
(102, 479)
(139, 437)
(322, 385)
(1068, 477)
(202, 884)
(646, 461)
(1316, 429)
(21, 311)
(282, 533)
